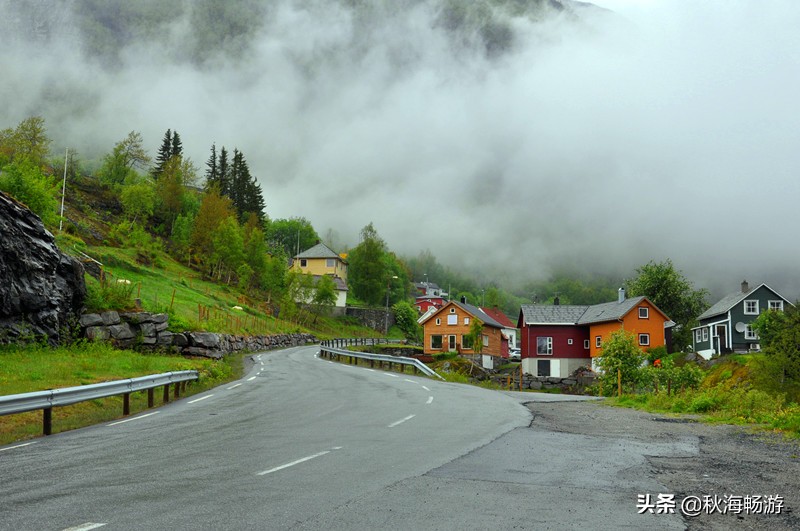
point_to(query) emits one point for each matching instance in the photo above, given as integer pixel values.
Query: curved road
(304, 443)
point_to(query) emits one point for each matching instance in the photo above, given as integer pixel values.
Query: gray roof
(547, 314)
(533, 314)
(731, 300)
(341, 285)
(320, 250)
(609, 311)
(473, 310)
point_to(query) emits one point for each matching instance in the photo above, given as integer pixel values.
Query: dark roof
(341, 285)
(533, 314)
(320, 250)
(732, 299)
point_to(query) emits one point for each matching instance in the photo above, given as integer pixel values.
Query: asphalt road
(303, 443)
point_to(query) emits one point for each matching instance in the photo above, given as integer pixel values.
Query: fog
(590, 138)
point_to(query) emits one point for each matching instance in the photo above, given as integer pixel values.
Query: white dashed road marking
(131, 420)
(393, 424)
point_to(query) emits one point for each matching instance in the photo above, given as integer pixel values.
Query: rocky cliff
(41, 289)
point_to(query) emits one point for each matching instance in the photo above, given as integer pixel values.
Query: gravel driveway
(729, 461)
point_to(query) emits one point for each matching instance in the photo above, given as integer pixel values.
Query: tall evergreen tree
(164, 154)
(224, 173)
(177, 145)
(212, 171)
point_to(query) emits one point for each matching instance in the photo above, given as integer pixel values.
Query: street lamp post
(386, 321)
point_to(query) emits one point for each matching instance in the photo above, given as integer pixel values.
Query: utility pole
(63, 191)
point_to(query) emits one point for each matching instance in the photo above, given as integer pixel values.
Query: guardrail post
(166, 393)
(126, 404)
(150, 399)
(47, 421)
(177, 390)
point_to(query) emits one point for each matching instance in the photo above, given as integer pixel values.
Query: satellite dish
(741, 327)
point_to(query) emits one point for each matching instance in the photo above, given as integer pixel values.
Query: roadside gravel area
(729, 460)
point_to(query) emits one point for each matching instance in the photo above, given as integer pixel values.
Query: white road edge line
(430, 399)
(426, 388)
(84, 527)
(370, 370)
(392, 375)
(234, 386)
(17, 446)
(132, 419)
(251, 378)
(199, 399)
(298, 461)
(393, 424)
(407, 380)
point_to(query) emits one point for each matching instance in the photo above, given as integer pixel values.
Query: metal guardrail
(327, 350)
(47, 400)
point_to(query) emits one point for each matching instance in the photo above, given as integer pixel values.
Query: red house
(423, 302)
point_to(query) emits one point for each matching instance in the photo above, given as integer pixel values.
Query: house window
(644, 340)
(749, 333)
(303, 262)
(776, 305)
(485, 341)
(544, 346)
(466, 320)
(698, 336)
(438, 322)
(436, 342)
(598, 341)
(452, 310)
(543, 368)
(644, 312)
(751, 307)
(330, 262)
(705, 334)
(452, 319)
(466, 342)
(569, 341)
(586, 343)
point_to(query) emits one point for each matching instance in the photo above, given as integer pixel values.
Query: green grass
(38, 368)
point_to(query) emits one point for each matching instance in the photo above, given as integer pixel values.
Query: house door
(452, 343)
(543, 368)
(722, 340)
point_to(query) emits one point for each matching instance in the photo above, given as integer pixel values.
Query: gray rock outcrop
(41, 289)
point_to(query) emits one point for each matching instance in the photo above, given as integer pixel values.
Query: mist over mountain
(509, 137)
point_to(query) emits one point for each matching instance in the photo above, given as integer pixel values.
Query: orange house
(447, 329)
(638, 316)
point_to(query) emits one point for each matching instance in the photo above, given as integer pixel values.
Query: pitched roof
(732, 299)
(499, 316)
(341, 285)
(320, 250)
(533, 314)
(472, 310)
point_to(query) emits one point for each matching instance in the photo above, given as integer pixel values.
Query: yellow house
(321, 260)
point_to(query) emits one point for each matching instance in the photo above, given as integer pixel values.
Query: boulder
(42, 290)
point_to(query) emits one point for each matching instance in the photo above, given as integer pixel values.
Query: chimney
(621, 295)
(745, 286)
(463, 299)
(556, 301)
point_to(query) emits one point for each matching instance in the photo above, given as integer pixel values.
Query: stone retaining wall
(575, 384)
(149, 331)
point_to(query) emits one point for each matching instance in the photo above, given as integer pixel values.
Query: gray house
(726, 326)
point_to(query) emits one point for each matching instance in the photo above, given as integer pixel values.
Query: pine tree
(212, 172)
(177, 145)
(164, 154)
(224, 173)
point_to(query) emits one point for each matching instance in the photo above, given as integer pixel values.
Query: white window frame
(485, 340)
(776, 305)
(438, 321)
(452, 320)
(586, 344)
(466, 320)
(569, 341)
(598, 341)
(441, 342)
(303, 262)
(644, 340)
(548, 346)
(748, 302)
(644, 312)
(330, 262)
(698, 336)
(749, 333)
(463, 343)
(705, 334)
(452, 310)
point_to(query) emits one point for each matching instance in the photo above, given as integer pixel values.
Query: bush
(444, 356)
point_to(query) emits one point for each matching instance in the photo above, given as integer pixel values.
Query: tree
(674, 295)
(620, 352)
(368, 276)
(171, 147)
(405, 316)
(212, 170)
(213, 210)
(29, 141)
(138, 201)
(228, 247)
(324, 296)
(474, 339)
(292, 235)
(25, 181)
(127, 155)
(779, 334)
